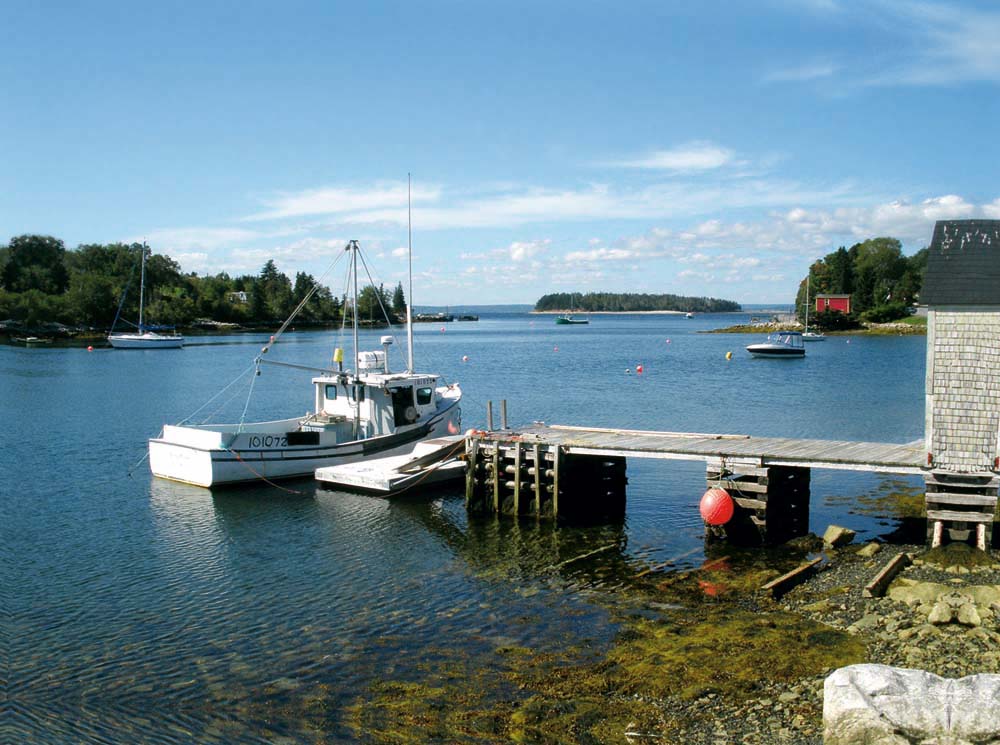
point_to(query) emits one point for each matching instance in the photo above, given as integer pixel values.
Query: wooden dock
(878, 457)
(559, 471)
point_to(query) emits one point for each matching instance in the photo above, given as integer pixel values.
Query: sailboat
(370, 412)
(808, 335)
(145, 337)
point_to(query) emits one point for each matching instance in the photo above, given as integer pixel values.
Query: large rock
(881, 705)
(838, 536)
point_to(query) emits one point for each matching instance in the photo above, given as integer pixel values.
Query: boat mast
(409, 295)
(808, 277)
(142, 285)
(353, 246)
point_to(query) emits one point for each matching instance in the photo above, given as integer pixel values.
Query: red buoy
(716, 507)
(638, 369)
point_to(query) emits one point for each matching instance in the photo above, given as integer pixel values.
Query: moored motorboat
(783, 344)
(564, 320)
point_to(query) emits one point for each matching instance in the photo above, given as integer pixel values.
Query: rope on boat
(226, 388)
(385, 313)
(261, 476)
(132, 468)
(302, 304)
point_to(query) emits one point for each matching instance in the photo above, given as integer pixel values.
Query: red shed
(841, 303)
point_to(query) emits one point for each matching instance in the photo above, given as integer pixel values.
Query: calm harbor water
(140, 610)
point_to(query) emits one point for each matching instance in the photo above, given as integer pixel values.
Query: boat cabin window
(357, 393)
(330, 392)
(425, 396)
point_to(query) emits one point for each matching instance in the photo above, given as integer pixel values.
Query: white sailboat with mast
(145, 337)
(365, 413)
(808, 335)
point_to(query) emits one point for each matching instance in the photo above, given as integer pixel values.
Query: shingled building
(962, 292)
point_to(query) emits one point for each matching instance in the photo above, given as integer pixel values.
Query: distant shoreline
(611, 312)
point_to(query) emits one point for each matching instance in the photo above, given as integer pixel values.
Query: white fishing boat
(366, 413)
(145, 337)
(782, 344)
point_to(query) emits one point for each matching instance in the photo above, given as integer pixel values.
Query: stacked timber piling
(508, 475)
(771, 503)
(960, 507)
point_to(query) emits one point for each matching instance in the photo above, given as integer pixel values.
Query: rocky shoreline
(939, 615)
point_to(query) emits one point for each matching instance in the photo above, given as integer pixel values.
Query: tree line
(631, 303)
(883, 284)
(43, 282)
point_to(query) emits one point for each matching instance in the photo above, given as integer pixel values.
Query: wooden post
(517, 467)
(496, 476)
(538, 480)
(489, 416)
(503, 413)
(472, 457)
(556, 454)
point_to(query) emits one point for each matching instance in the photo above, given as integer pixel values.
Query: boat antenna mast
(409, 294)
(353, 247)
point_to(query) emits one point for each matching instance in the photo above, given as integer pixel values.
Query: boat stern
(179, 462)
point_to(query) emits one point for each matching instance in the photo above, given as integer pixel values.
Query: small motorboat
(813, 336)
(31, 341)
(562, 320)
(780, 344)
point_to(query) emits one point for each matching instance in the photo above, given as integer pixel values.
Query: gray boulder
(882, 705)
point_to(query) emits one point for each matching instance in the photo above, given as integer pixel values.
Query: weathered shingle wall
(964, 389)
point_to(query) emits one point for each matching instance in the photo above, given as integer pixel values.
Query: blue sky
(710, 148)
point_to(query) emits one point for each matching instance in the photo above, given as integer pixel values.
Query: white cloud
(602, 254)
(521, 250)
(204, 239)
(946, 44)
(693, 156)
(803, 73)
(345, 200)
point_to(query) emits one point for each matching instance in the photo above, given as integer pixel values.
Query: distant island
(614, 302)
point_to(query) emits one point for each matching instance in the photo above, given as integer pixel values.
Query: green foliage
(832, 320)
(40, 281)
(886, 313)
(371, 301)
(399, 300)
(874, 273)
(35, 262)
(627, 302)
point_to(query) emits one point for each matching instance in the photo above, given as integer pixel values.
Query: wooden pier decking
(559, 471)
(877, 457)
